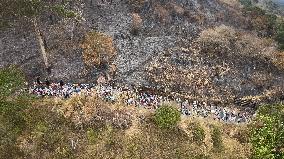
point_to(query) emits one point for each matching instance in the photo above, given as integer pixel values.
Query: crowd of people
(139, 97)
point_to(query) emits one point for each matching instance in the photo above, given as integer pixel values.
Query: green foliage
(217, 140)
(256, 11)
(261, 21)
(167, 117)
(62, 11)
(11, 79)
(12, 116)
(280, 35)
(49, 132)
(267, 132)
(13, 10)
(198, 133)
(11, 111)
(246, 3)
(272, 19)
(92, 136)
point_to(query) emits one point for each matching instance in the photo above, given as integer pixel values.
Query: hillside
(151, 37)
(223, 53)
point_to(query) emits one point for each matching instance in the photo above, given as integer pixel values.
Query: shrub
(264, 23)
(92, 136)
(280, 35)
(167, 117)
(218, 40)
(217, 139)
(136, 24)
(198, 133)
(97, 49)
(11, 79)
(246, 3)
(136, 5)
(242, 135)
(267, 132)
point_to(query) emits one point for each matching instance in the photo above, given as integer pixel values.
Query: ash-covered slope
(161, 43)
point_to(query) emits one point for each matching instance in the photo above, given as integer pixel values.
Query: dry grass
(136, 5)
(228, 39)
(232, 147)
(142, 138)
(178, 9)
(136, 23)
(232, 3)
(162, 13)
(278, 59)
(97, 48)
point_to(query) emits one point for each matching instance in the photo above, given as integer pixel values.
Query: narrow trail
(141, 99)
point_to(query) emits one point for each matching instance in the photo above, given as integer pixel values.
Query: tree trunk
(41, 43)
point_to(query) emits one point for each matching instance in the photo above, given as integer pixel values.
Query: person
(47, 83)
(38, 81)
(61, 83)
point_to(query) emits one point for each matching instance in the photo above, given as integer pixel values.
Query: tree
(167, 117)
(29, 12)
(267, 132)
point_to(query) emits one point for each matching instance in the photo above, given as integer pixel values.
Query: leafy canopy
(13, 10)
(167, 117)
(267, 132)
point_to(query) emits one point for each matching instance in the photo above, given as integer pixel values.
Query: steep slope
(159, 43)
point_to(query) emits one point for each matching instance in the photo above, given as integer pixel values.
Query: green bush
(261, 21)
(11, 79)
(267, 132)
(12, 115)
(198, 133)
(167, 117)
(217, 139)
(246, 3)
(92, 136)
(280, 35)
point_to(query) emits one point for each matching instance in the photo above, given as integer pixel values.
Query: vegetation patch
(217, 140)
(167, 117)
(267, 132)
(92, 135)
(136, 5)
(197, 132)
(97, 49)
